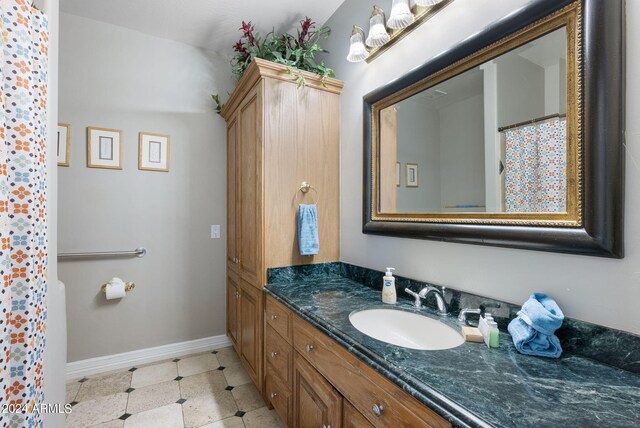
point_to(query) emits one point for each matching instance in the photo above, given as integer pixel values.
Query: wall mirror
(513, 138)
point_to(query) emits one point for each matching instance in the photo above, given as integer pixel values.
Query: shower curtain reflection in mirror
(536, 167)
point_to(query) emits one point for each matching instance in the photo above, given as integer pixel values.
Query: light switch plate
(215, 231)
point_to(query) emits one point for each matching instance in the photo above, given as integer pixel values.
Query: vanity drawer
(280, 396)
(360, 384)
(352, 418)
(279, 318)
(278, 354)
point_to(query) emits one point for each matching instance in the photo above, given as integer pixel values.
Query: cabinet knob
(274, 317)
(274, 354)
(274, 394)
(326, 426)
(377, 409)
(309, 348)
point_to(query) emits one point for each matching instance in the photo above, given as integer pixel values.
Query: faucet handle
(462, 317)
(418, 301)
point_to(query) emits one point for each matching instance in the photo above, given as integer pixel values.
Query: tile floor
(209, 390)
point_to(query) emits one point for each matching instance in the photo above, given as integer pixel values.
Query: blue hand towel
(308, 230)
(533, 329)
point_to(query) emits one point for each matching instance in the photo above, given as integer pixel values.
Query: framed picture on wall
(153, 152)
(63, 147)
(104, 148)
(412, 175)
(397, 174)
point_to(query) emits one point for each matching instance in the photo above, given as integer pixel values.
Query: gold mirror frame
(569, 17)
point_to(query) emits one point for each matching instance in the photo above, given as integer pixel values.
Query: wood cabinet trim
(252, 361)
(232, 309)
(260, 68)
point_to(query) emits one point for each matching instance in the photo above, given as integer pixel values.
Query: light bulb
(427, 2)
(357, 50)
(378, 35)
(401, 16)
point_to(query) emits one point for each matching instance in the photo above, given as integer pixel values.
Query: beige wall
(118, 78)
(603, 291)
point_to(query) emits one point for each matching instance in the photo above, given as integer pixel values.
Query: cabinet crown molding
(260, 69)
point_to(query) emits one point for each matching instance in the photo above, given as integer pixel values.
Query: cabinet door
(351, 418)
(251, 330)
(233, 298)
(315, 402)
(249, 197)
(232, 192)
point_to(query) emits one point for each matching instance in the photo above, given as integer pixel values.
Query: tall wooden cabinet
(278, 136)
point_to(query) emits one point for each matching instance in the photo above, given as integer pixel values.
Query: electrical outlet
(215, 231)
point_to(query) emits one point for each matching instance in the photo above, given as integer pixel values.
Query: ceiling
(548, 49)
(209, 24)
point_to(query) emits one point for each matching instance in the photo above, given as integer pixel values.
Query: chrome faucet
(442, 304)
(462, 317)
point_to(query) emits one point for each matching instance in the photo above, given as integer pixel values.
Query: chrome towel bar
(138, 252)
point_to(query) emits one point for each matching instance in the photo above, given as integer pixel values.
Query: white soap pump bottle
(389, 288)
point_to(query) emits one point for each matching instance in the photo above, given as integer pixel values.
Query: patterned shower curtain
(536, 167)
(23, 221)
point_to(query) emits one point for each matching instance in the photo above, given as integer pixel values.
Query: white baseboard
(97, 365)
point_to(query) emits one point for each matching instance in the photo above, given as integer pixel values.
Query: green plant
(219, 105)
(296, 52)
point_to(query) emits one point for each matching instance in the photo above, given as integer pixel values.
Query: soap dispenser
(389, 287)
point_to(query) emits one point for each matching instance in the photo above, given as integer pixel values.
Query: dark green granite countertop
(471, 385)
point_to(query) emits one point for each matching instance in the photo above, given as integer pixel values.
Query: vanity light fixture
(357, 50)
(401, 16)
(378, 34)
(427, 3)
(383, 35)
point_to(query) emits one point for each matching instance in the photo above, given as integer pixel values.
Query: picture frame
(63, 146)
(398, 168)
(412, 175)
(104, 148)
(153, 151)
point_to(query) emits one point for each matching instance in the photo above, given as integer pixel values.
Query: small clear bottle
(494, 334)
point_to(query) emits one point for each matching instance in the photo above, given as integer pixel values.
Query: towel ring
(305, 188)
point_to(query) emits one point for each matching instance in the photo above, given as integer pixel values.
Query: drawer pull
(274, 317)
(309, 348)
(377, 409)
(326, 426)
(274, 394)
(274, 354)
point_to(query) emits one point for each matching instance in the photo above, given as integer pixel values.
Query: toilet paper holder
(128, 286)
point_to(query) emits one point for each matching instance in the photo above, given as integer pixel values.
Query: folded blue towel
(533, 329)
(308, 230)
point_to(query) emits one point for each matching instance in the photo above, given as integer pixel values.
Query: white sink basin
(406, 329)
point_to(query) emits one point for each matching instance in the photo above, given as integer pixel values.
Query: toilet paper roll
(115, 289)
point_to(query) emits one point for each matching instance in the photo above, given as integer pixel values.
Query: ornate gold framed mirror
(513, 138)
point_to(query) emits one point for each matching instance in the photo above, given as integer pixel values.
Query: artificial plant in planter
(295, 52)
